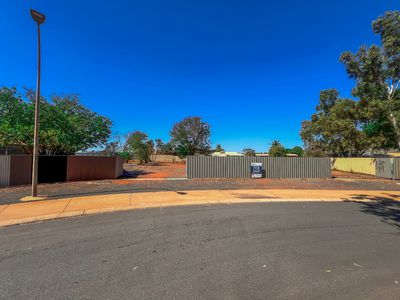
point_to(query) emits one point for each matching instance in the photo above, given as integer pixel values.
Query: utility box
(256, 170)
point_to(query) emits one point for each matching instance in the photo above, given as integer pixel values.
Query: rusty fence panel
(119, 166)
(16, 169)
(273, 167)
(20, 169)
(93, 167)
(4, 170)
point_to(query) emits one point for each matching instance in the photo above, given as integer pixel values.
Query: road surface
(244, 251)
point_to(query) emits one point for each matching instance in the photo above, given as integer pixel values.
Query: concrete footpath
(39, 210)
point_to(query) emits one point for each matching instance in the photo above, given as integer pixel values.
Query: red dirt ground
(178, 170)
(155, 170)
(341, 174)
(154, 177)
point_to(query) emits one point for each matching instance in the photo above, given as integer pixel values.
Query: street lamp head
(37, 16)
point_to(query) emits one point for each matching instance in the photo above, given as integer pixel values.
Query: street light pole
(39, 19)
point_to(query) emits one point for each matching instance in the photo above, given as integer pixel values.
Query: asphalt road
(247, 251)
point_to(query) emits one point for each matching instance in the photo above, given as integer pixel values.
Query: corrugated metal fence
(396, 168)
(4, 170)
(388, 168)
(383, 167)
(273, 167)
(362, 165)
(16, 169)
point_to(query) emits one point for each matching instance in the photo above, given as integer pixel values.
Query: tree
(191, 136)
(138, 145)
(249, 152)
(377, 74)
(159, 146)
(335, 129)
(164, 148)
(276, 149)
(150, 147)
(16, 120)
(117, 146)
(313, 146)
(314, 152)
(121, 140)
(219, 148)
(295, 150)
(344, 127)
(111, 148)
(168, 149)
(183, 150)
(66, 126)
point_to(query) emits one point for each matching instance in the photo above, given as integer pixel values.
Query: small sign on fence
(256, 170)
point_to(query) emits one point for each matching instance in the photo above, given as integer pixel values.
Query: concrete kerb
(28, 212)
(78, 213)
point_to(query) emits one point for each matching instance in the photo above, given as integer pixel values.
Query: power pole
(39, 19)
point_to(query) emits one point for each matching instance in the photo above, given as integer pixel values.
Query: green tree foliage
(191, 136)
(219, 148)
(169, 149)
(159, 146)
(16, 120)
(125, 155)
(276, 149)
(150, 147)
(66, 126)
(249, 152)
(295, 150)
(183, 150)
(314, 152)
(376, 70)
(164, 148)
(139, 145)
(344, 127)
(335, 129)
(117, 146)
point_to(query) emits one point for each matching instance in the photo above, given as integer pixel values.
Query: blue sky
(252, 69)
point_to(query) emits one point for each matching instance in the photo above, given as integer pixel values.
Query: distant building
(226, 153)
(262, 154)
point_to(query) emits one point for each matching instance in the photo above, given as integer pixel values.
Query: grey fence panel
(4, 170)
(274, 167)
(384, 168)
(396, 168)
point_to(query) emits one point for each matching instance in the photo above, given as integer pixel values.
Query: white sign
(256, 164)
(256, 170)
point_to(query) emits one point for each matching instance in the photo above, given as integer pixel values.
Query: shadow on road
(384, 207)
